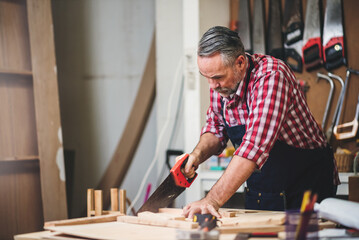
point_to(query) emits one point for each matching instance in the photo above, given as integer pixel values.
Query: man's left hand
(202, 206)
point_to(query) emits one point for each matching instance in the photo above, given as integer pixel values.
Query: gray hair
(221, 40)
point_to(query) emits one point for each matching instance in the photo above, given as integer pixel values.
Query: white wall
(101, 50)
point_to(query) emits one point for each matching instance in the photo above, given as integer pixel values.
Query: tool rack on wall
(318, 91)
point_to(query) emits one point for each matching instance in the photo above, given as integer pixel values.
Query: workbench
(129, 227)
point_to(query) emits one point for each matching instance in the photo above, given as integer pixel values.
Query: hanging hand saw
(244, 25)
(293, 34)
(312, 49)
(169, 189)
(259, 45)
(333, 35)
(275, 42)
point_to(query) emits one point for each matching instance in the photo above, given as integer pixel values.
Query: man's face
(221, 78)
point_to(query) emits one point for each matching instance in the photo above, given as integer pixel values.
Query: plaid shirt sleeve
(214, 120)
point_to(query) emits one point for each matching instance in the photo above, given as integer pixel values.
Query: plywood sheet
(117, 230)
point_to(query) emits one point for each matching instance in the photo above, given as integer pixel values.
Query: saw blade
(258, 27)
(333, 26)
(312, 21)
(244, 25)
(275, 42)
(163, 196)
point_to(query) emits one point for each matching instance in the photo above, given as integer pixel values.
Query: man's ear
(240, 62)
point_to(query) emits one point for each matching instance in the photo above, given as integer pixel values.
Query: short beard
(228, 91)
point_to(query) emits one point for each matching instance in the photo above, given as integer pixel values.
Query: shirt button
(259, 194)
(258, 201)
(281, 194)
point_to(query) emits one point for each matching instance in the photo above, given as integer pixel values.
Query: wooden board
(117, 230)
(48, 125)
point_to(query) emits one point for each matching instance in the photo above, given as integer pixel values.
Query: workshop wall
(101, 51)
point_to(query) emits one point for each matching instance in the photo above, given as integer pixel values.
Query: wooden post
(123, 201)
(90, 201)
(98, 202)
(114, 199)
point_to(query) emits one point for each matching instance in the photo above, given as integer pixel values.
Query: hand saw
(170, 188)
(244, 25)
(293, 34)
(259, 45)
(333, 35)
(274, 34)
(312, 41)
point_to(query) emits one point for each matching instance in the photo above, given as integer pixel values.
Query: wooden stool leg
(98, 202)
(114, 199)
(123, 201)
(90, 201)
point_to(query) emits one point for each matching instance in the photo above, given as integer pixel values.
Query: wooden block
(353, 188)
(86, 220)
(114, 199)
(90, 201)
(174, 211)
(123, 201)
(228, 214)
(98, 202)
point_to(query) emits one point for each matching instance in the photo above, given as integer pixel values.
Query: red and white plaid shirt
(277, 111)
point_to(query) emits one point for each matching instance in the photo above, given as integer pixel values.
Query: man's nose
(212, 84)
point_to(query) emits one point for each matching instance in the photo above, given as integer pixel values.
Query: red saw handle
(177, 174)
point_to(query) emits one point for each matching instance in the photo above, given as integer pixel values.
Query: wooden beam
(134, 128)
(47, 110)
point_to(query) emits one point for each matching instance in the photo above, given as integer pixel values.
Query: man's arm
(237, 172)
(207, 146)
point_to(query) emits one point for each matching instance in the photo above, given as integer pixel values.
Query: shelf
(15, 72)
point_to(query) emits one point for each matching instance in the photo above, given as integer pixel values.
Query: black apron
(287, 173)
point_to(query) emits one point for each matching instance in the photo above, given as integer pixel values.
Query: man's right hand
(191, 165)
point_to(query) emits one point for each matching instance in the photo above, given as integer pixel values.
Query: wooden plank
(126, 148)
(117, 230)
(85, 220)
(254, 219)
(158, 221)
(48, 125)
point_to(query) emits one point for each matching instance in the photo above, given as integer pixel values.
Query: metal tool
(244, 25)
(259, 45)
(293, 34)
(274, 34)
(340, 128)
(323, 76)
(346, 83)
(329, 132)
(170, 188)
(333, 35)
(350, 129)
(312, 38)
